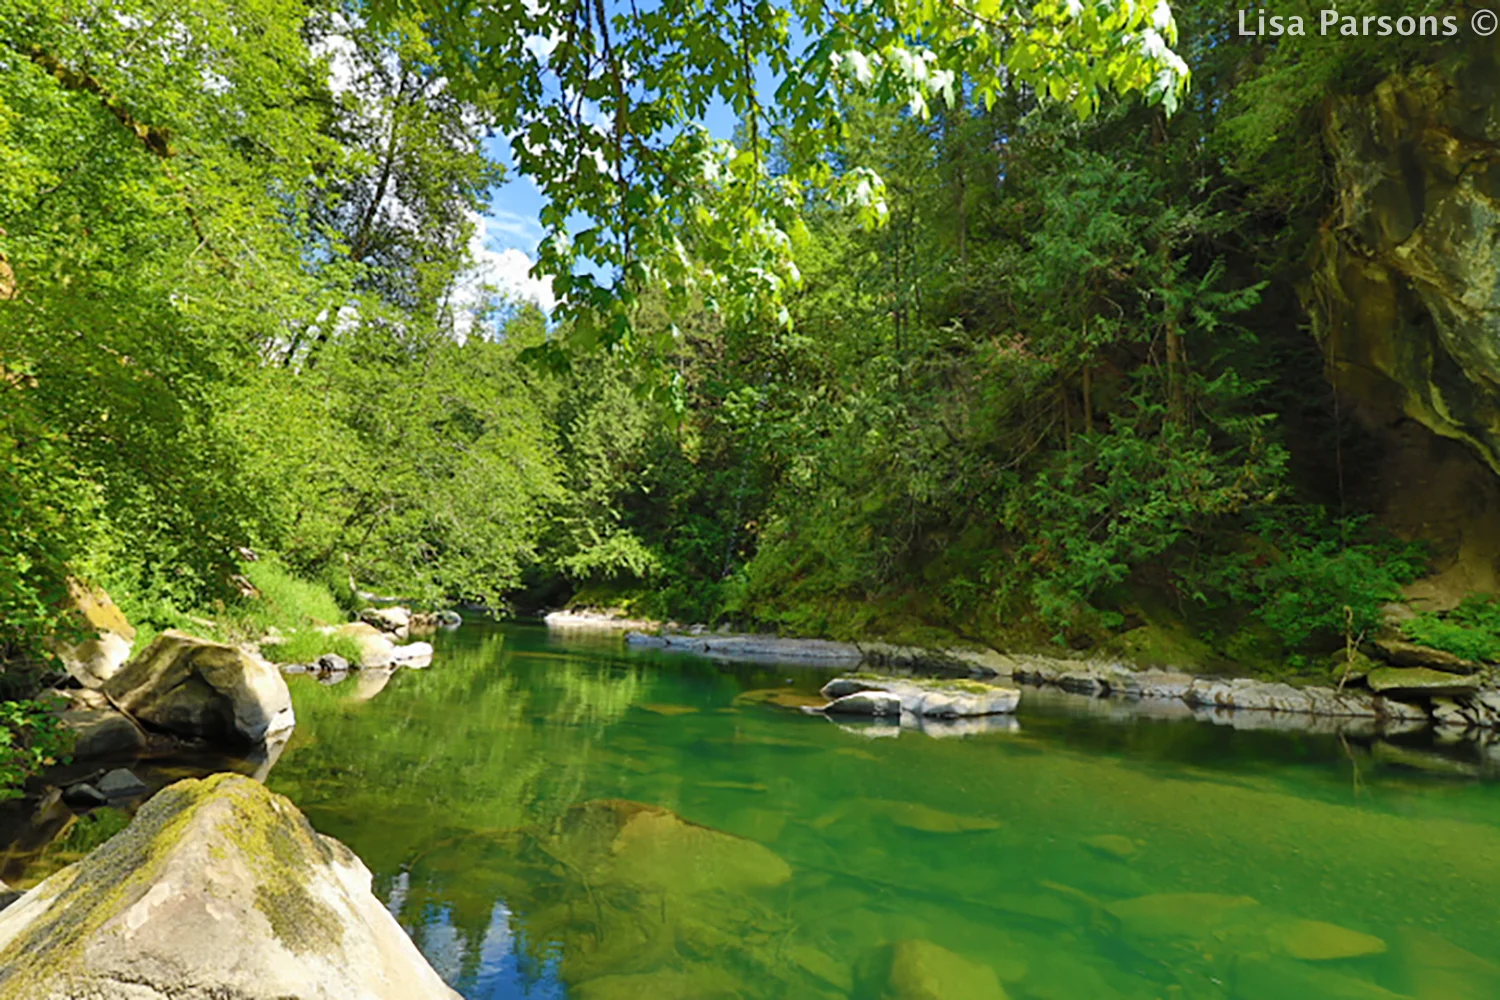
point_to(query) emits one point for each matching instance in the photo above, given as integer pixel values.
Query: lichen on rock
(218, 889)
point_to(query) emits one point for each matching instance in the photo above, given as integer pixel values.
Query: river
(557, 816)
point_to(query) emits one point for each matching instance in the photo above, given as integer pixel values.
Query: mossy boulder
(220, 889)
(207, 690)
(104, 637)
(1420, 681)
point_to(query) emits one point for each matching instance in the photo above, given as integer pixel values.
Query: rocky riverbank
(1394, 684)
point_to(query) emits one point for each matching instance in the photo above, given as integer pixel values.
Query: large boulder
(193, 687)
(106, 636)
(218, 889)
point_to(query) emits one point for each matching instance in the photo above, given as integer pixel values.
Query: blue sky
(515, 211)
(512, 226)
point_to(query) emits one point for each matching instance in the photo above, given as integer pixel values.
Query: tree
(599, 102)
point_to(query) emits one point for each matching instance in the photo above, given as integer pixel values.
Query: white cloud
(518, 227)
(503, 273)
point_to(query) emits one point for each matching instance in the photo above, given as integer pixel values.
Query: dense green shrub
(1311, 578)
(31, 738)
(1471, 630)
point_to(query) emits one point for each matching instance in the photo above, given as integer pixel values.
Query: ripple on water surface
(556, 818)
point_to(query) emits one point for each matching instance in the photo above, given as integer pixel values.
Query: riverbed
(558, 816)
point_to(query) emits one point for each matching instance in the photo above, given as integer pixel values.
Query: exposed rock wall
(1405, 295)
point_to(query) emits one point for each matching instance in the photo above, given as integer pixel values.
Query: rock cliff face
(218, 890)
(1405, 294)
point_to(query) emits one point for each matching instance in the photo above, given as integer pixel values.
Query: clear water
(559, 817)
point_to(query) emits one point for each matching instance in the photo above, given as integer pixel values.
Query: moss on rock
(220, 877)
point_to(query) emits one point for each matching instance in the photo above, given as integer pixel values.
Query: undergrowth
(1471, 630)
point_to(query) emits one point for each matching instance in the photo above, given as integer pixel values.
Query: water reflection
(573, 820)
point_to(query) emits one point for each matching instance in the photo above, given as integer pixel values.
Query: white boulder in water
(933, 699)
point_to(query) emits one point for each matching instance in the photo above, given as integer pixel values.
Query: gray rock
(877, 703)
(193, 687)
(83, 796)
(1157, 684)
(413, 654)
(1420, 681)
(103, 733)
(1487, 708)
(218, 888)
(121, 783)
(394, 621)
(952, 662)
(1261, 696)
(1447, 712)
(841, 686)
(1399, 653)
(931, 699)
(753, 648)
(1406, 288)
(332, 661)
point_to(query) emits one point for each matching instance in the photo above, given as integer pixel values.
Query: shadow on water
(561, 817)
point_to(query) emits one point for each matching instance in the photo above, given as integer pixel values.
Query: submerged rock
(617, 841)
(1112, 845)
(1437, 969)
(219, 888)
(1316, 941)
(780, 698)
(921, 970)
(193, 687)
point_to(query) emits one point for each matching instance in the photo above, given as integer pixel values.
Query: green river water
(555, 816)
